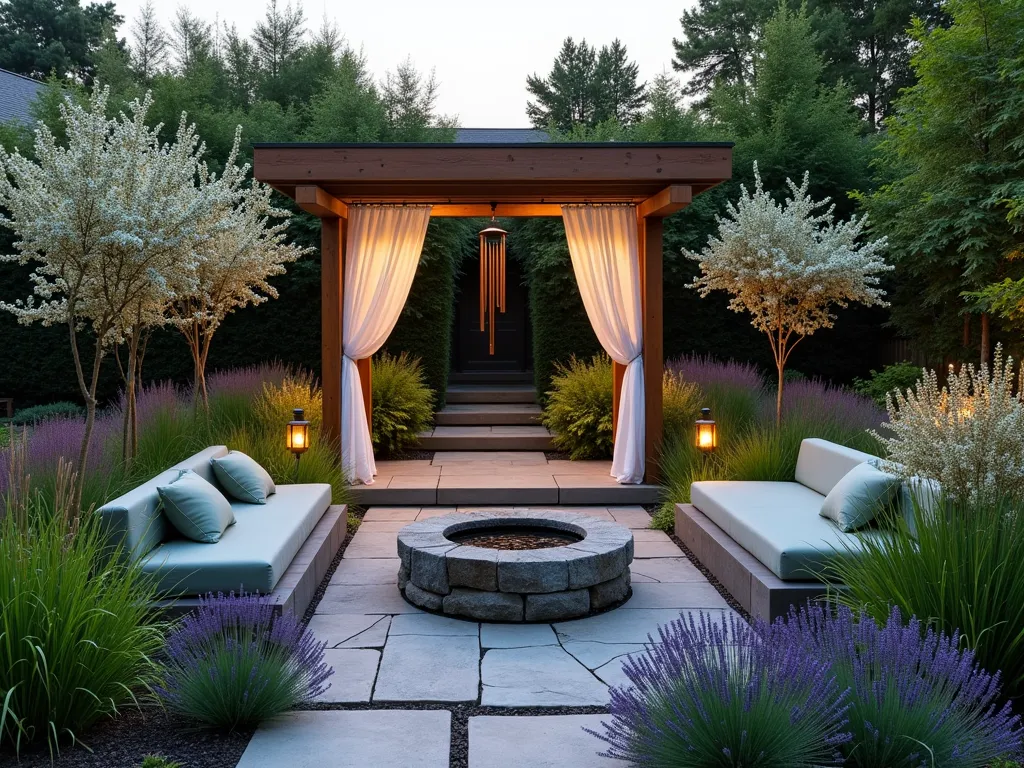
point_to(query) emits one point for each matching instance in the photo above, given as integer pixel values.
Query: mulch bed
(125, 740)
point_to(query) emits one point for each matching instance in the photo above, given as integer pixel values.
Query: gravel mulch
(124, 741)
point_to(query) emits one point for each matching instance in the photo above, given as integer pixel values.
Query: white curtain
(603, 246)
(381, 256)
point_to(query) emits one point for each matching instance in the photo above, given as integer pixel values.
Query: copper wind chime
(492, 278)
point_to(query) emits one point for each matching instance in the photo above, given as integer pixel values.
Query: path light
(297, 437)
(706, 432)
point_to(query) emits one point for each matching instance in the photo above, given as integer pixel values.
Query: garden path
(406, 680)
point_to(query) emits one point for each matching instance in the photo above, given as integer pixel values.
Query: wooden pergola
(471, 180)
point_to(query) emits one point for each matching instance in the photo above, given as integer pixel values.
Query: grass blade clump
(579, 407)
(714, 694)
(233, 663)
(76, 637)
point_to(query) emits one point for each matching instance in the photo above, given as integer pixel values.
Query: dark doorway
(512, 338)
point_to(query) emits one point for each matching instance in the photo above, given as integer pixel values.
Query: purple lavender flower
(708, 372)
(817, 402)
(247, 381)
(917, 698)
(713, 693)
(233, 662)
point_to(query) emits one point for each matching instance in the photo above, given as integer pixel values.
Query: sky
(481, 52)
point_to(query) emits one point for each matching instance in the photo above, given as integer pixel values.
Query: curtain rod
(394, 204)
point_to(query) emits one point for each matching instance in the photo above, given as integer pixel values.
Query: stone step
(491, 393)
(486, 438)
(488, 414)
(524, 488)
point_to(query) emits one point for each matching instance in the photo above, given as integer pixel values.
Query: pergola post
(650, 248)
(332, 293)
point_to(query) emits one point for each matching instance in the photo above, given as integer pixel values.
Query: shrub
(579, 407)
(233, 663)
(681, 405)
(403, 405)
(713, 694)
(960, 568)
(917, 699)
(158, 761)
(898, 376)
(38, 413)
(966, 435)
(75, 632)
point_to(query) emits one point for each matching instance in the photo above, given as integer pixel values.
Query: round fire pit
(515, 566)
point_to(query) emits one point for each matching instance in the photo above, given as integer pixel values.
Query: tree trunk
(131, 426)
(778, 395)
(967, 332)
(89, 395)
(985, 343)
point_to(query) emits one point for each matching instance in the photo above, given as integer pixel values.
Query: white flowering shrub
(789, 265)
(968, 434)
(245, 247)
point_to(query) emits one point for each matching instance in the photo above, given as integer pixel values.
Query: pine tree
(618, 96)
(191, 40)
(240, 67)
(566, 97)
(409, 100)
(719, 41)
(149, 43)
(278, 38)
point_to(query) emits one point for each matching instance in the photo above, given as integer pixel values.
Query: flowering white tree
(789, 265)
(967, 434)
(112, 221)
(245, 249)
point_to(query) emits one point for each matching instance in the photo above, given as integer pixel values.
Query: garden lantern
(492, 277)
(706, 432)
(297, 437)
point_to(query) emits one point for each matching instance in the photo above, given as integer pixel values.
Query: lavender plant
(918, 699)
(234, 663)
(714, 694)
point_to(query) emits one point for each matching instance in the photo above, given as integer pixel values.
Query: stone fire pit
(515, 566)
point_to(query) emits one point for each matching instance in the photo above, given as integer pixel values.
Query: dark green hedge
(425, 327)
(560, 325)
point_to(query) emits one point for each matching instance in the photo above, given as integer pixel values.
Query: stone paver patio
(388, 652)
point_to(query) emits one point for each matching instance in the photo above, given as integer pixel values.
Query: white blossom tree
(789, 266)
(112, 222)
(245, 249)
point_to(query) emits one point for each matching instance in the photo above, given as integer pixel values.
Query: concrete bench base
(756, 588)
(294, 592)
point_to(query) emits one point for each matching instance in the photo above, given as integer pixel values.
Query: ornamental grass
(76, 635)
(957, 564)
(712, 693)
(234, 662)
(403, 404)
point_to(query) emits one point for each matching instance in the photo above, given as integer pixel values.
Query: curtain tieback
(639, 355)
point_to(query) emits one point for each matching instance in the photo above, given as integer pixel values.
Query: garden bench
(282, 548)
(766, 541)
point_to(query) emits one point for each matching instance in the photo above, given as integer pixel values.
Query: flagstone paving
(386, 652)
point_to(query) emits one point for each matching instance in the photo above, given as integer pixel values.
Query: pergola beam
(668, 201)
(507, 210)
(312, 199)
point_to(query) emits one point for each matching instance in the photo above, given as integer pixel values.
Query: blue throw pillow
(243, 478)
(196, 508)
(855, 499)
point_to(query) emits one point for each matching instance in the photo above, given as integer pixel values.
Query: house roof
(500, 136)
(17, 92)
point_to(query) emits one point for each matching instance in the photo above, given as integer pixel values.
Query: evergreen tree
(240, 67)
(278, 37)
(718, 43)
(618, 95)
(566, 97)
(791, 121)
(191, 40)
(149, 43)
(409, 100)
(952, 152)
(43, 37)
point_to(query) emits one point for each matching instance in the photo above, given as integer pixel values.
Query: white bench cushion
(821, 464)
